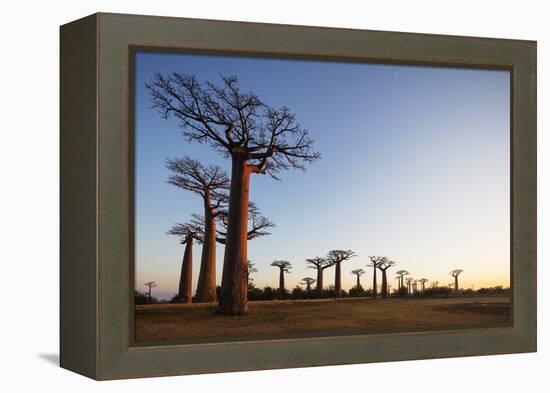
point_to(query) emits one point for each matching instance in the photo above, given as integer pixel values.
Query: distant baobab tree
(187, 233)
(284, 267)
(358, 273)
(414, 286)
(336, 257)
(383, 267)
(401, 274)
(211, 183)
(398, 279)
(251, 270)
(455, 273)
(150, 284)
(409, 280)
(423, 282)
(319, 264)
(435, 284)
(307, 281)
(257, 137)
(375, 262)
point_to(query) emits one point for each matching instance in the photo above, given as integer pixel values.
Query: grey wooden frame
(96, 193)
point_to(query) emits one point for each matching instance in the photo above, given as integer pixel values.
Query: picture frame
(96, 261)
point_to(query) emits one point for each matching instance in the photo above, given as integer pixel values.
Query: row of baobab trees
(334, 258)
(379, 264)
(256, 138)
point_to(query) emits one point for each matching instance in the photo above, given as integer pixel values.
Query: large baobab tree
(257, 137)
(423, 282)
(211, 183)
(409, 281)
(358, 273)
(188, 233)
(374, 263)
(401, 274)
(150, 284)
(383, 267)
(319, 264)
(307, 281)
(336, 257)
(284, 267)
(455, 273)
(414, 285)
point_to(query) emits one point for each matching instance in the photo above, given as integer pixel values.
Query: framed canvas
(243, 196)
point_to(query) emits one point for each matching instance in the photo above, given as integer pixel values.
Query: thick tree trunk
(308, 287)
(384, 284)
(374, 290)
(185, 292)
(319, 280)
(456, 284)
(206, 286)
(338, 280)
(281, 283)
(233, 298)
(358, 283)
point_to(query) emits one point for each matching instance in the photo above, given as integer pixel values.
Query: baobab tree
(375, 262)
(409, 280)
(383, 267)
(211, 183)
(284, 267)
(251, 270)
(358, 273)
(188, 233)
(401, 274)
(258, 225)
(319, 264)
(307, 281)
(455, 273)
(257, 137)
(414, 286)
(150, 284)
(423, 282)
(336, 257)
(398, 279)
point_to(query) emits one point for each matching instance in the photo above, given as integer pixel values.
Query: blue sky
(415, 166)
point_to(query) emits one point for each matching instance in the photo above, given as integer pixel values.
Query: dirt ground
(313, 318)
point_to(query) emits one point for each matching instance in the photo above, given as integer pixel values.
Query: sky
(415, 166)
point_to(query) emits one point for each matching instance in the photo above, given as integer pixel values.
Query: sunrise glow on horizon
(415, 166)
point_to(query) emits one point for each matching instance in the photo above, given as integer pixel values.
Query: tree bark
(456, 284)
(185, 294)
(319, 280)
(338, 280)
(384, 284)
(206, 286)
(281, 283)
(358, 283)
(233, 298)
(374, 290)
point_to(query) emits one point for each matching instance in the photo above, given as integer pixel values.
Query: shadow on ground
(52, 358)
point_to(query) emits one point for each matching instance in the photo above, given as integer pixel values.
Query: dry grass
(310, 318)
